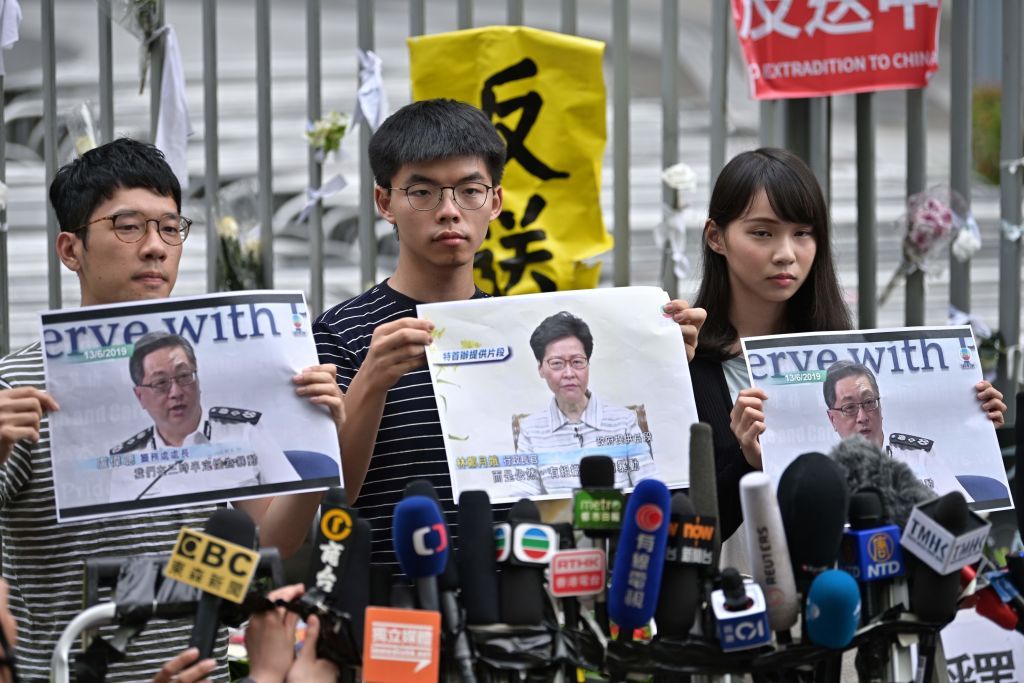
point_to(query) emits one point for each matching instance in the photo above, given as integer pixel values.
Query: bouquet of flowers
(670, 234)
(325, 134)
(239, 266)
(141, 18)
(934, 219)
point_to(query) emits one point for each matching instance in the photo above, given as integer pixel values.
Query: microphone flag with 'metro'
(478, 566)
(768, 551)
(597, 504)
(812, 497)
(420, 538)
(233, 526)
(687, 550)
(640, 558)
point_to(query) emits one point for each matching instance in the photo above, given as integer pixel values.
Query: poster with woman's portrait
(527, 386)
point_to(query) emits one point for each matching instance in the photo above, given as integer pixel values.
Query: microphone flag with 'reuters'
(640, 557)
(768, 550)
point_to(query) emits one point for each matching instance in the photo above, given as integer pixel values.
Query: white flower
(251, 248)
(3, 197)
(680, 177)
(965, 245)
(227, 227)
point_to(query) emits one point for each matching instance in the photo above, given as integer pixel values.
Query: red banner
(808, 48)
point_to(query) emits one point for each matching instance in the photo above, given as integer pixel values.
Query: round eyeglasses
(851, 409)
(427, 197)
(131, 227)
(163, 386)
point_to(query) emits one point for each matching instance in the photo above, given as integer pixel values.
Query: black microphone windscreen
(478, 565)
(449, 579)
(355, 596)
(232, 525)
(865, 464)
(522, 596)
(524, 510)
(951, 512)
(866, 509)
(703, 480)
(597, 472)
(382, 577)
(812, 497)
(679, 596)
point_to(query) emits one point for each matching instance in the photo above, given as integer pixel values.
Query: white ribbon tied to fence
(10, 18)
(333, 186)
(173, 126)
(372, 100)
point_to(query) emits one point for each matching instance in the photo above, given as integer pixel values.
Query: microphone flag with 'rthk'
(420, 538)
(640, 558)
(233, 526)
(768, 551)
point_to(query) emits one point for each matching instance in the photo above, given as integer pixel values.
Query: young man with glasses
(165, 375)
(576, 419)
(105, 203)
(854, 407)
(438, 167)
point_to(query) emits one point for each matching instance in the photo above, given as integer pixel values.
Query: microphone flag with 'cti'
(812, 497)
(640, 558)
(768, 551)
(687, 551)
(833, 609)
(741, 619)
(478, 567)
(233, 526)
(420, 537)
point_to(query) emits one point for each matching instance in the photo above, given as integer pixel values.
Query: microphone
(640, 559)
(421, 544)
(331, 544)
(704, 481)
(521, 585)
(233, 526)
(688, 548)
(870, 550)
(741, 620)
(833, 609)
(597, 512)
(768, 551)
(866, 465)
(812, 502)
(478, 568)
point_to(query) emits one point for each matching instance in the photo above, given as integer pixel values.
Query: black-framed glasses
(426, 197)
(851, 409)
(576, 363)
(162, 386)
(131, 226)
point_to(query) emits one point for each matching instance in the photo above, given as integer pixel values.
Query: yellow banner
(545, 94)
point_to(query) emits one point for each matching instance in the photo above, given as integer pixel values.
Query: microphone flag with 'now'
(545, 94)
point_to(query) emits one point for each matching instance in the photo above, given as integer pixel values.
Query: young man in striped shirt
(105, 203)
(437, 166)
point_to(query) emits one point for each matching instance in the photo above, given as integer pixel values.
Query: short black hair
(123, 164)
(841, 369)
(430, 130)
(559, 326)
(153, 341)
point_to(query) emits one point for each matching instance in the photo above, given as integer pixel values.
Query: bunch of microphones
(849, 551)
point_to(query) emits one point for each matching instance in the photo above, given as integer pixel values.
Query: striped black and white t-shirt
(409, 442)
(43, 560)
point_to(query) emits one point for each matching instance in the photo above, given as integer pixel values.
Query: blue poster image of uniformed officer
(182, 451)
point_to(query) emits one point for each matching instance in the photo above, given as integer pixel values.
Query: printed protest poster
(528, 385)
(545, 94)
(179, 401)
(909, 391)
(980, 651)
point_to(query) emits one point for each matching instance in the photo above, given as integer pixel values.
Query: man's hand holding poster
(175, 402)
(911, 392)
(528, 385)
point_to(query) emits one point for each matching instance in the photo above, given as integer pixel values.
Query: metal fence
(802, 125)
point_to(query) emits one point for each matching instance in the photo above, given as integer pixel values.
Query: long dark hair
(795, 197)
